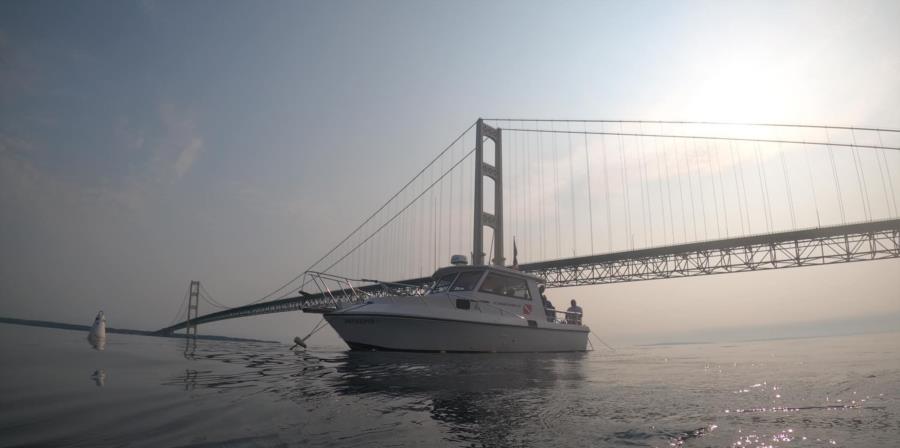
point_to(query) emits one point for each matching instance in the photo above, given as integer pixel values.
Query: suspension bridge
(587, 202)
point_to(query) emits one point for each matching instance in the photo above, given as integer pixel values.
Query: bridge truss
(839, 244)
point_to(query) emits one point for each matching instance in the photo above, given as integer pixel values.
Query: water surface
(55, 389)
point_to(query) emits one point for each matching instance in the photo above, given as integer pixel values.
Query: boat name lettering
(508, 305)
(360, 321)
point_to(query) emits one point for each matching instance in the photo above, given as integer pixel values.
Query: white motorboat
(467, 309)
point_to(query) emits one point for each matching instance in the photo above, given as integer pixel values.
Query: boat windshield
(467, 281)
(506, 286)
(443, 283)
(464, 281)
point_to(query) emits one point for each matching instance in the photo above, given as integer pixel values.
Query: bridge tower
(495, 172)
(193, 309)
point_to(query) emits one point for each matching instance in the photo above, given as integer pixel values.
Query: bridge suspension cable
(405, 188)
(181, 308)
(713, 123)
(706, 137)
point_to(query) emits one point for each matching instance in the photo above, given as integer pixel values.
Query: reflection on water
(190, 346)
(180, 392)
(537, 399)
(482, 397)
(99, 377)
(98, 343)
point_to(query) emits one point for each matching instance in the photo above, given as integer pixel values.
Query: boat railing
(397, 289)
(569, 317)
(337, 290)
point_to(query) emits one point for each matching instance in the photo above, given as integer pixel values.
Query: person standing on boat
(549, 309)
(573, 314)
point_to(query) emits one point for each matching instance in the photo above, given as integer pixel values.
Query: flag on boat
(515, 255)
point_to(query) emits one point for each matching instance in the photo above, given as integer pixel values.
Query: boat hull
(430, 334)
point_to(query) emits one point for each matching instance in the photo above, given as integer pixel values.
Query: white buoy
(97, 336)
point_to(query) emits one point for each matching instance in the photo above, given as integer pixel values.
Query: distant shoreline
(85, 328)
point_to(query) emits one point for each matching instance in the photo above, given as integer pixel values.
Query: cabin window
(443, 283)
(466, 281)
(506, 286)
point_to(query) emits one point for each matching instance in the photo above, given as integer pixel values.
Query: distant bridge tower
(495, 172)
(193, 309)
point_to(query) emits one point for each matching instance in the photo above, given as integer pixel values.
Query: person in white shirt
(573, 314)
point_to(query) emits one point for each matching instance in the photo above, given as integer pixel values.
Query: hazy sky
(145, 144)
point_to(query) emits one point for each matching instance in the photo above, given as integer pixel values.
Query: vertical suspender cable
(861, 177)
(887, 199)
(587, 164)
(392, 218)
(887, 168)
(659, 186)
(642, 176)
(558, 189)
(665, 155)
(416, 234)
(787, 185)
(408, 270)
(722, 185)
(837, 181)
(712, 178)
(433, 222)
(812, 185)
(690, 181)
(520, 189)
(763, 188)
(540, 152)
(572, 189)
(391, 249)
(530, 182)
(680, 190)
(512, 179)
(358, 258)
(695, 155)
(629, 237)
(609, 239)
(462, 201)
(743, 172)
(440, 220)
(765, 174)
(450, 214)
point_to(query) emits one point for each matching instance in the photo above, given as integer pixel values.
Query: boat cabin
(496, 287)
(494, 280)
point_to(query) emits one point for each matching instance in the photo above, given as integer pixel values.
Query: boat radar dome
(459, 260)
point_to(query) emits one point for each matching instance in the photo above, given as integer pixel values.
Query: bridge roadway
(872, 240)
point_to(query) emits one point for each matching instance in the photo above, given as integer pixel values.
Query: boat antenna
(491, 253)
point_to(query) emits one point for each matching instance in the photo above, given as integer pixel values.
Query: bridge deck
(838, 244)
(818, 246)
